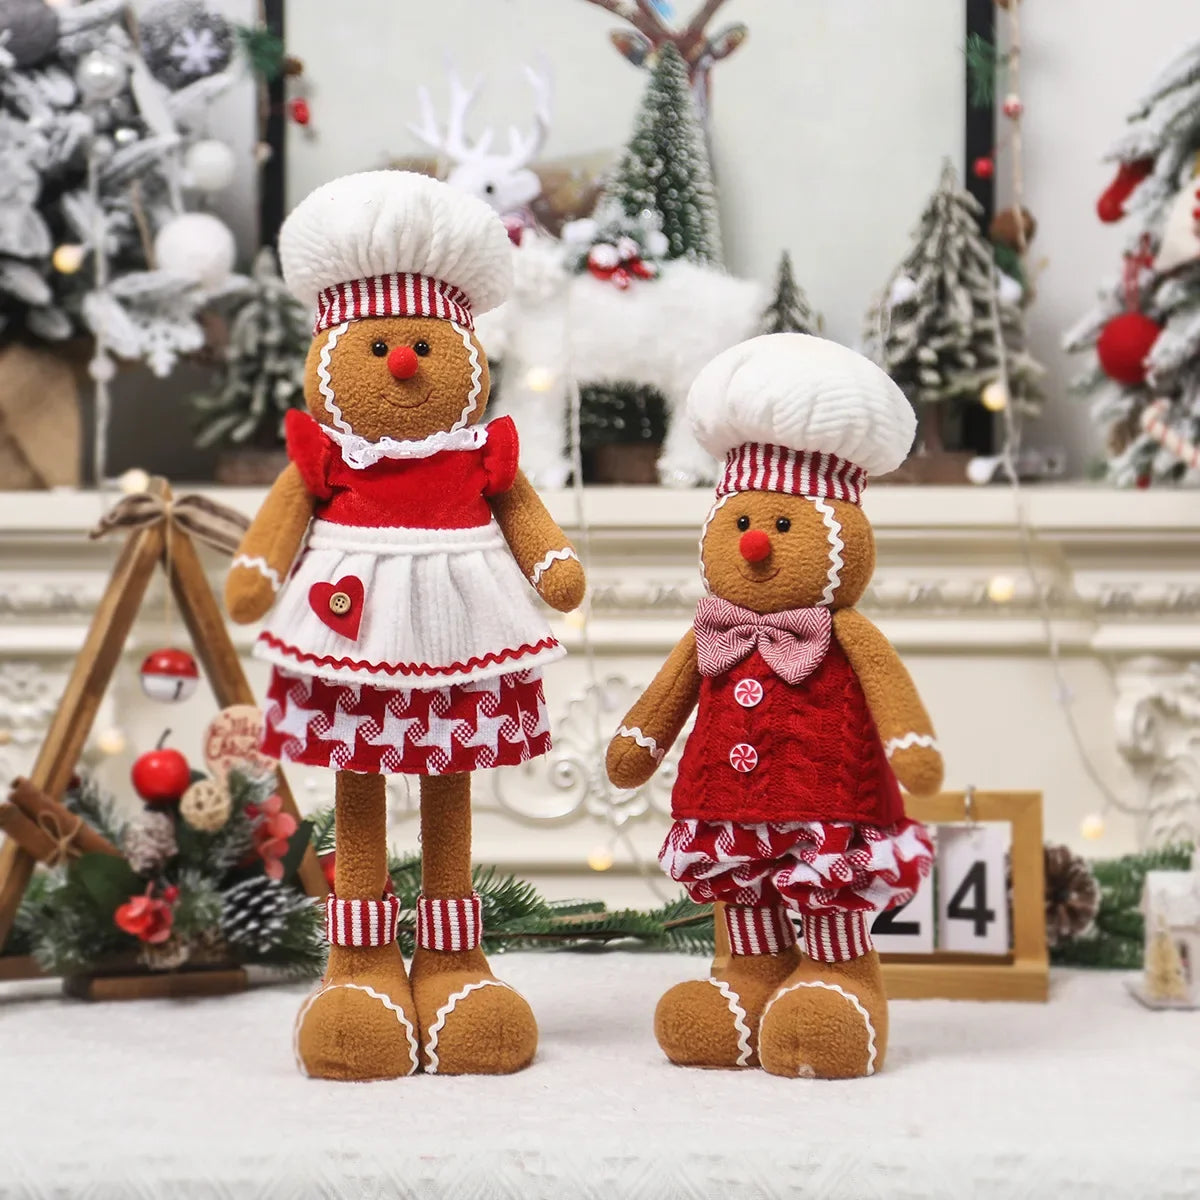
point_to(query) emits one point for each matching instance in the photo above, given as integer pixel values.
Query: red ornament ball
(169, 675)
(161, 776)
(300, 111)
(984, 167)
(1123, 346)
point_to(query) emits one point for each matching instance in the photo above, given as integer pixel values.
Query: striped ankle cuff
(758, 930)
(361, 922)
(836, 937)
(450, 924)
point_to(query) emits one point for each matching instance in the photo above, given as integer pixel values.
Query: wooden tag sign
(145, 548)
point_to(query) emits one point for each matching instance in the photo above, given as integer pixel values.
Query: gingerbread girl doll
(786, 800)
(397, 557)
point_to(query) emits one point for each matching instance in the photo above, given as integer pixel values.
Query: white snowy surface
(1090, 1095)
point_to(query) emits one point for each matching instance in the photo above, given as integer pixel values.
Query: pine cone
(1072, 896)
(209, 948)
(150, 841)
(255, 912)
(166, 956)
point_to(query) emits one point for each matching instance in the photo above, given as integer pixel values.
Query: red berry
(170, 894)
(300, 111)
(161, 776)
(984, 167)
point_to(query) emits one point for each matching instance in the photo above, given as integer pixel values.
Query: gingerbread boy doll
(787, 799)
(398, 560)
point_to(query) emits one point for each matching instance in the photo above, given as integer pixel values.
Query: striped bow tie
(792, 643)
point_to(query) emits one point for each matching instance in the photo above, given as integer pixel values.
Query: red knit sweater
(815, 750)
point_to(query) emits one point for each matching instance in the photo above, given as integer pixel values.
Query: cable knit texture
(806, 393)
(819, 757)
(376, 222)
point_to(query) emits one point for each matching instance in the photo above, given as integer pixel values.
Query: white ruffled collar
(358, 453)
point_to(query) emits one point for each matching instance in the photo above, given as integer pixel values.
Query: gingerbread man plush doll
(787, 798)
(397, 557)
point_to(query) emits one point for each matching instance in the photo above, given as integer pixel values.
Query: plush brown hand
(919, 769)
(248, 595)
(562, 584)
(628, 764)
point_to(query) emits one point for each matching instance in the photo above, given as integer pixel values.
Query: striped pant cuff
(450, 924)
(361, 922)
(758, 930)
(836, 937)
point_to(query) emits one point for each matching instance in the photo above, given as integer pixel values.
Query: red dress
(784, 795)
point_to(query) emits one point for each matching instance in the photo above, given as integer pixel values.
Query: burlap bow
(792, 643)
(213, 524)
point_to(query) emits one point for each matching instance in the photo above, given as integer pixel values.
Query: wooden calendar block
(910, 928)
(972, 888)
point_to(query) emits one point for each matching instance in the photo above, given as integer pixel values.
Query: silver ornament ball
(210, 165)
(100, 76)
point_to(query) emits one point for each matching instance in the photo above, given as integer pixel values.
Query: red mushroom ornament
(169, 675)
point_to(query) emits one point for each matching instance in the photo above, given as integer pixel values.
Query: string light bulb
(1092, 827)
(995, 396)
(1001, 589)
(600, 859)
(111, 741)
(67, 258)
(539, 379)
(575, 619)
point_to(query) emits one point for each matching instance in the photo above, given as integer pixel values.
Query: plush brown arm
(903, 724)
(651, 726)
(269, 548)
(541, 549)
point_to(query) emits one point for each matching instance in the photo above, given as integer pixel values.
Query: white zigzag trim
(854, 1000)
(476, 377)
(739, 1019)
(442, 1013)
(643, 739)
(324, 383)
(554, 556)
(909, 739)
(712, 512)
(387, 1002)
(836, 546)
(258, 563)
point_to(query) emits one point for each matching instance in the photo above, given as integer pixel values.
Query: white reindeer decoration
(561, 329)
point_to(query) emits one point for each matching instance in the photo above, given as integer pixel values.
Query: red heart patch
(339, 605)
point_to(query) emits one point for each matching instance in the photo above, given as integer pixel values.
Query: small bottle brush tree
(940, 328)
(263, 374)
(1145, 330)
(666, 169)
(789, 310)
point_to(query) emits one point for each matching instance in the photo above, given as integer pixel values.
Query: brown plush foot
(471, 1023)
(361, 1022)
(827, 1021)
(714, 1022)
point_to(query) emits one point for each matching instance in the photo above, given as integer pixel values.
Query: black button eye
(421, 347)
(379, 349)
(783, 524)
(743, 523)
(490, 188)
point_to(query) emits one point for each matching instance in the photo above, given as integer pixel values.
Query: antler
(454, 144)
(524, 149)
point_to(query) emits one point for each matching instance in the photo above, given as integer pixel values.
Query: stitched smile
(392, 399)
(759, 578)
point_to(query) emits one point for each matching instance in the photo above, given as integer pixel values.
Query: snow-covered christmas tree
(789, 310)
(1145, 331)
(666, 169)
(263, 370)
(942, 329)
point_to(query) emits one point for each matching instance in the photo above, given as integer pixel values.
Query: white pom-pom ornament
(198, 247)
(604, 255)
(210, 165)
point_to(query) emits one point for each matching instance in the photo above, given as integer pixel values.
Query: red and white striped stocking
(836, 937)
(758, 930)
(450, 924)
(361, 922)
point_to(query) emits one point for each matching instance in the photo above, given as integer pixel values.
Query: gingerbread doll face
(768, 552)
(398, 377)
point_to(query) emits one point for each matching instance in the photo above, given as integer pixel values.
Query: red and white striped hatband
(399, 294)
(761, 467)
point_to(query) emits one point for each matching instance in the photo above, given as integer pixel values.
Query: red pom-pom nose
(403, 362)
(754, 545)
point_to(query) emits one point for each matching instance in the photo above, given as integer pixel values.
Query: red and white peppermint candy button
(748, 693)
(743, 757)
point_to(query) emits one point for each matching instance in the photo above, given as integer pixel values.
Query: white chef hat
(799, 414)
(394, 243)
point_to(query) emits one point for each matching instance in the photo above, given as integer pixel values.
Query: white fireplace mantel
(1116, 573)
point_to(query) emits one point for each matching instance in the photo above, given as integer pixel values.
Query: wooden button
(339, 604)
